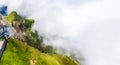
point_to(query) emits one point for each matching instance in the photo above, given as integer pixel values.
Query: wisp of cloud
(90, 28)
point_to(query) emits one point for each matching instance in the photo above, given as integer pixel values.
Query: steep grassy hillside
(27, 47)
(19, 53)
(24, 32)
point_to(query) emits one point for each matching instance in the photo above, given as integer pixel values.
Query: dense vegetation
(19, 53)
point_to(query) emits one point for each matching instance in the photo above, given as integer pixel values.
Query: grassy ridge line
(13, 16)
(19, 53)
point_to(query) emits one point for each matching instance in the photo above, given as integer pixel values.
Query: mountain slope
(27, 47)
(24, 32)
(19, 53)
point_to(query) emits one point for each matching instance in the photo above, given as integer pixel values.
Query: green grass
(28, 22)
(13, 16)
(19, 53)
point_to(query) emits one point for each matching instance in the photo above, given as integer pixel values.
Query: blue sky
(3, 10)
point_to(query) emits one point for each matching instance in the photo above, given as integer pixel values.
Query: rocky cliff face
(16, 32)
(3, 20)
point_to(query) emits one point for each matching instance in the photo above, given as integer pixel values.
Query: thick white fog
(88, 27)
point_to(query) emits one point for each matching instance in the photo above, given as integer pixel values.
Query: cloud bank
(89, 27)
